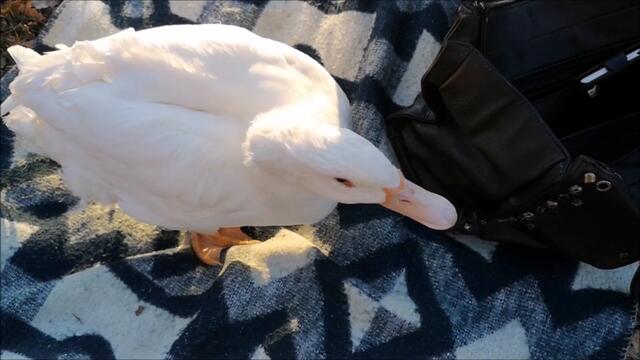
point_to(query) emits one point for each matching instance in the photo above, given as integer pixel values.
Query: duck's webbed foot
(208, 248)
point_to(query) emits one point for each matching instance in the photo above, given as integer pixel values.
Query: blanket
(82, 282)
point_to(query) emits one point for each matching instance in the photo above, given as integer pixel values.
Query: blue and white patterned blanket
(363, 283)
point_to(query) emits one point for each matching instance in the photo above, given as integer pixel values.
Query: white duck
(204, 128)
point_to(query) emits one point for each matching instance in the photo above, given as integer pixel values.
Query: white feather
(155, 121)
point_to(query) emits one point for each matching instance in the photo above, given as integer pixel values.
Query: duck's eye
(344, 182)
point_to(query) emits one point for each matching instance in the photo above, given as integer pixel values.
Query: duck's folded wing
(130, 146)
(215, 68)
(219, 69)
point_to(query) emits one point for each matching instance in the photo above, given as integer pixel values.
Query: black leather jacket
(507, 128)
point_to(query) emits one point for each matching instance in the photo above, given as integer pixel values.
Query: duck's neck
(274, 151)
(292, 205)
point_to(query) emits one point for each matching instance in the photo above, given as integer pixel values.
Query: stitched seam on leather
(460, 63)
(586, 21)
(623, 158)
(573, 58)
(521, 100)
(475, 149)
(491, 165)
(600, 126)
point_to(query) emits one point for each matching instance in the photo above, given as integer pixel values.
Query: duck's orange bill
(423, 206)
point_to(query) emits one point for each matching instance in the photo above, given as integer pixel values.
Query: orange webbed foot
(208, 248)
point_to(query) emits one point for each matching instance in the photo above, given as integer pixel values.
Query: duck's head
(338, 164)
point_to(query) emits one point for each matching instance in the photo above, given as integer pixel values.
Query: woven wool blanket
(363, 283)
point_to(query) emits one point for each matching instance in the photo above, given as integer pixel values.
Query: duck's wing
(114, 149)
(219, 69)
(212, 62)
(216, 68)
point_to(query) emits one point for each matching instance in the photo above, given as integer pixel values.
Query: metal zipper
(483, 23)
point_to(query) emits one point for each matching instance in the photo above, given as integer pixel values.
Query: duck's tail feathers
(23, 56)
(65, 68)
(42, 78)
(59, 70)
(32, 110)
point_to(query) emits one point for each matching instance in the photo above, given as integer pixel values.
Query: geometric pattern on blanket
(362, 283)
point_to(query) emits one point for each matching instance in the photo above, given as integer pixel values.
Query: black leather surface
(504, 128)
(527, 37)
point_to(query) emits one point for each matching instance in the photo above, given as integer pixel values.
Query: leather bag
(529, 122)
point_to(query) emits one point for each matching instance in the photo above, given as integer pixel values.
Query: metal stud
(603, 185)
(541, 209)
(552, 204)
(563, 197)
(467, 227)
(483, 222)
(530, 226)
(589, 178)
(576, 202)
(528, 216)
(575, 190)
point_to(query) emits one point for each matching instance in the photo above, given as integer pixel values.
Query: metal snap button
(589, 178)
(576, 202)
(575, 190)
(603, 185)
